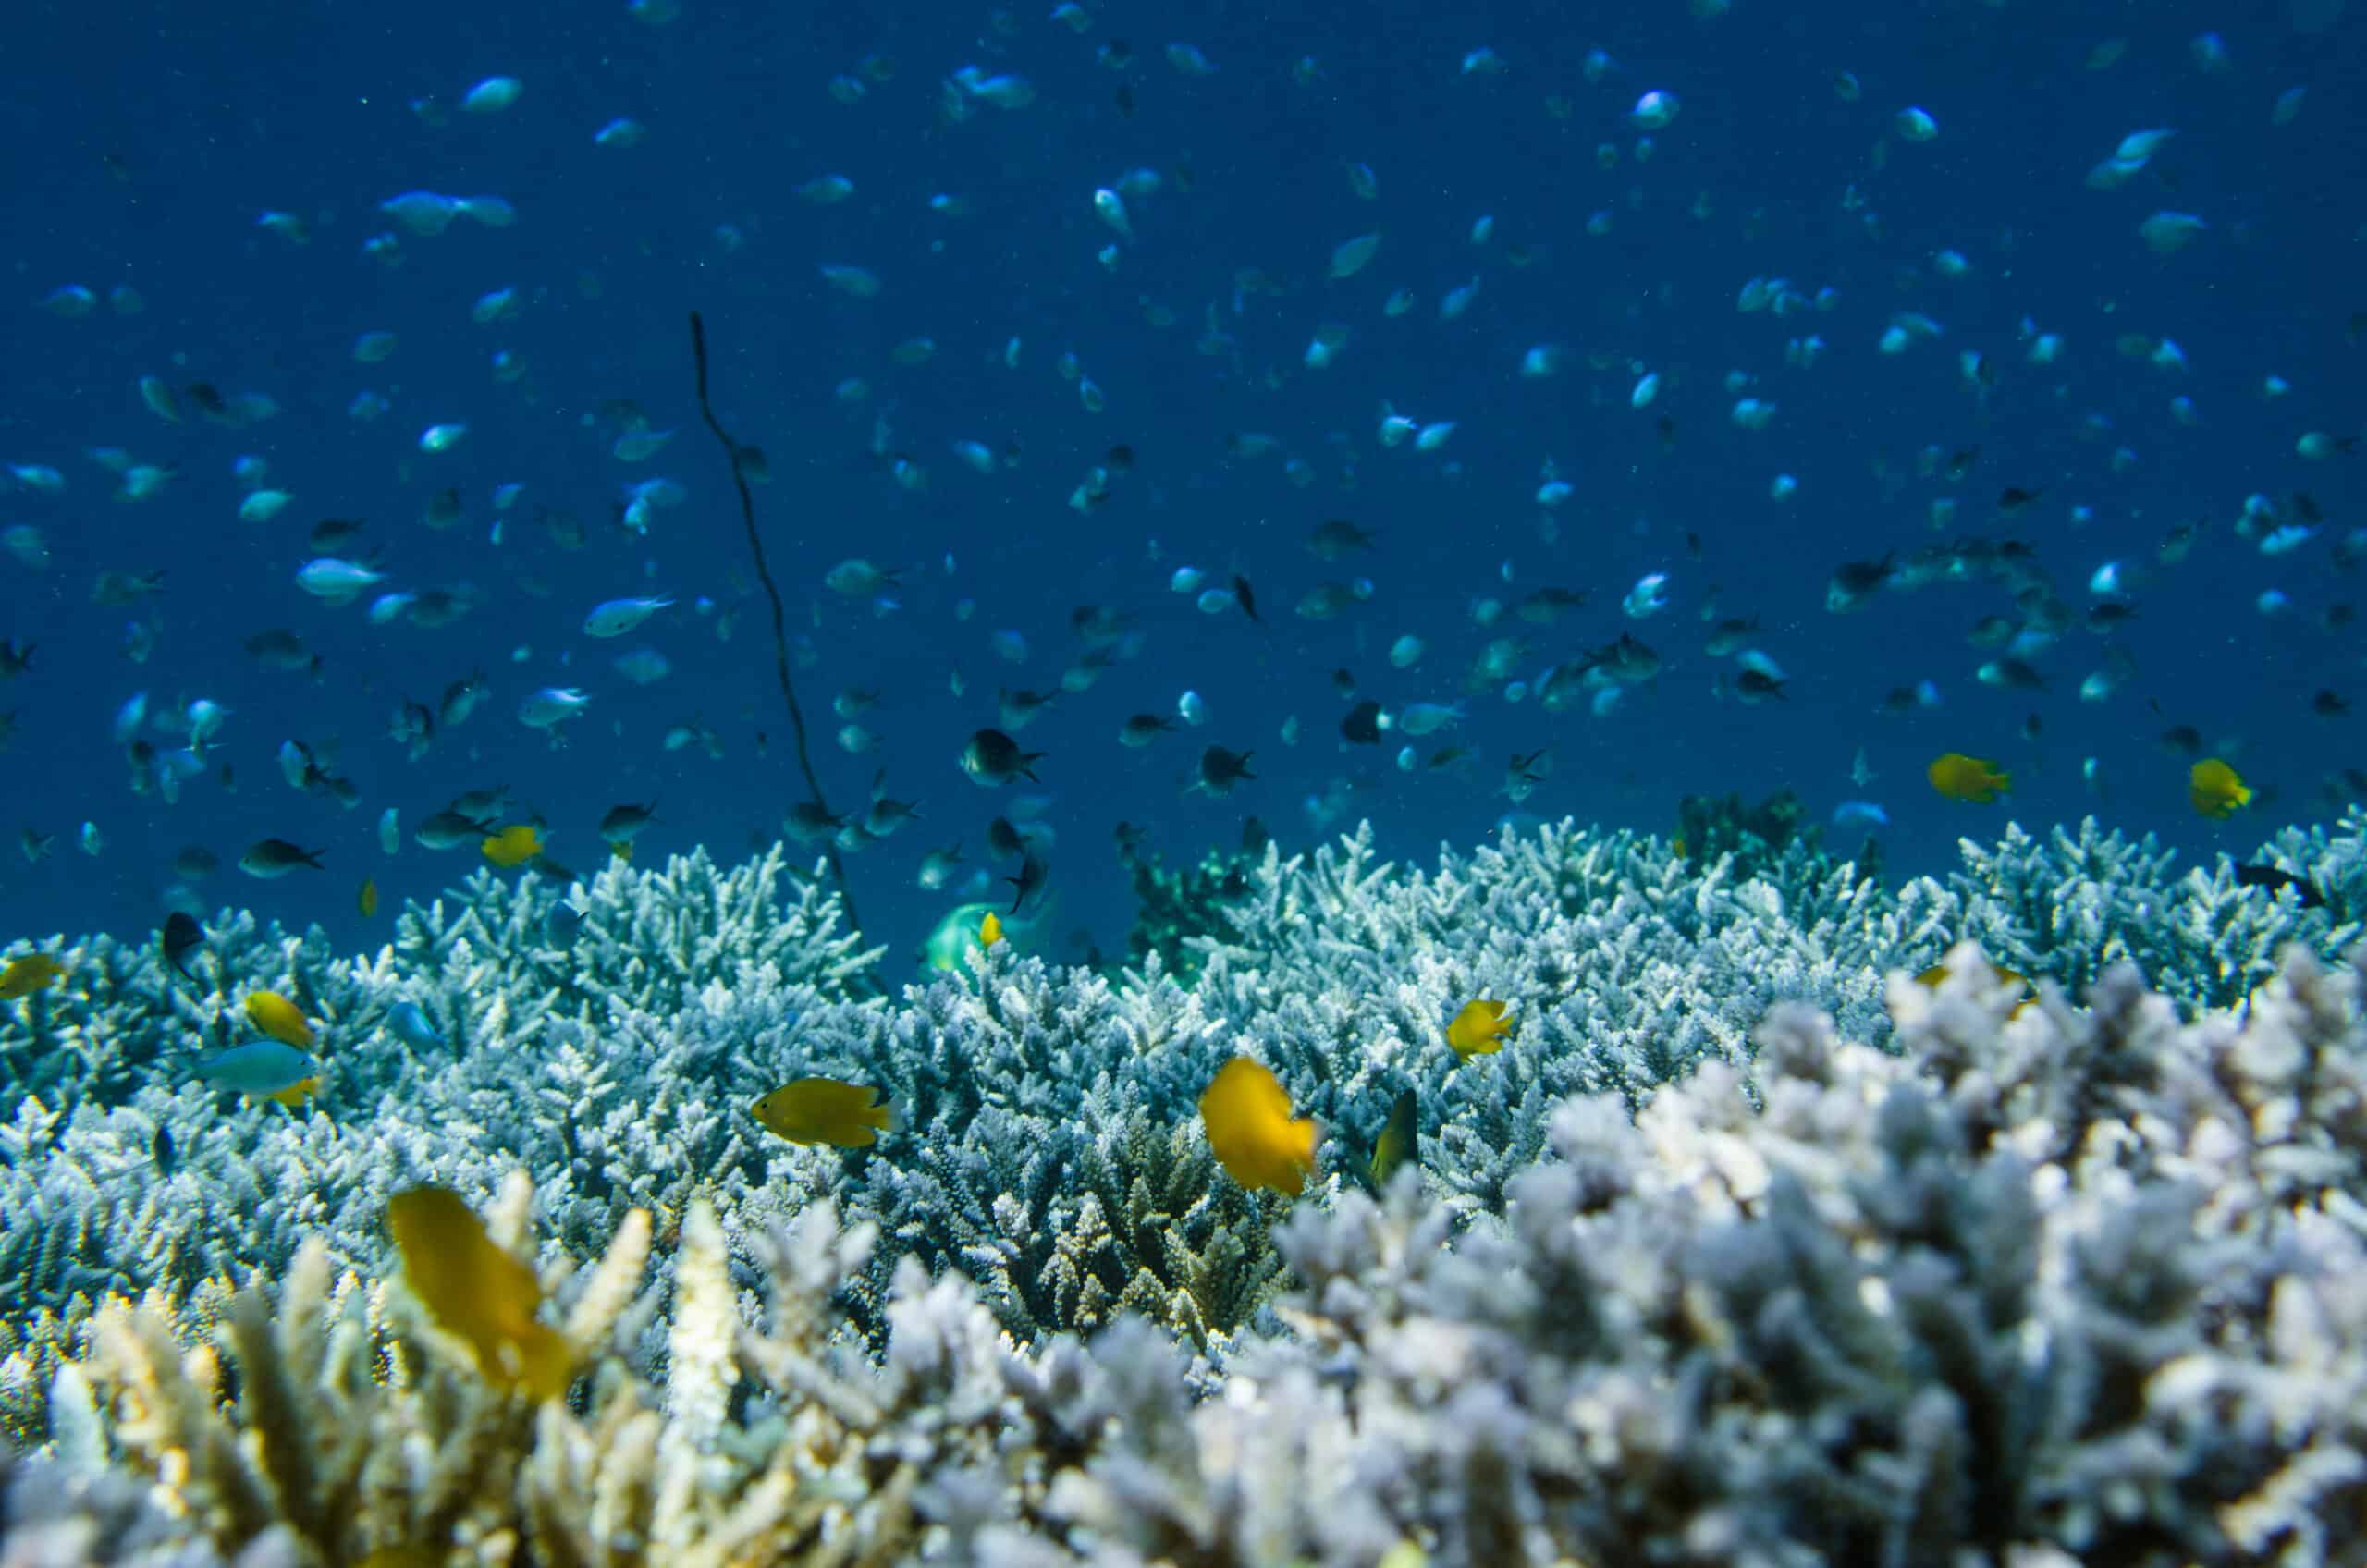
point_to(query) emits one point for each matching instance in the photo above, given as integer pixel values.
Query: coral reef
(1682, 1276)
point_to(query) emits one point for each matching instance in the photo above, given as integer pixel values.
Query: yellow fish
(2215, 789)
(367, 899)
(1479, 1029)
(990, 930)
(279, 1018)
(296, 1094)
(513, 846)
(477, 1291)
(1931, 978)
(1961, 777)
(1396, 1143)
(824, 1110)
(620, 849)
(1251, 1132)
(34, 972)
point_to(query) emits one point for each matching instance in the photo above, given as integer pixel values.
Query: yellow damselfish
(1251, 1131)
(990, 930)
(2215, 789)
(478, 1292)
(34, 972)
(513, 846)
(1395, 1144)
(279, 1018)
(825, 1110)
(1479, 1029)
(366, 900)
(1961, 777)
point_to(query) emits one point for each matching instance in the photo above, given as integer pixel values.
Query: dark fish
(1362, 724)
(1247, 596)
(561, 923)
(621, 824)
(2014, 498)
(1757, 686)
(1005, 839)
(1034, 872)
(992, 758)
(333, 533)
(2276, 879)
(161, 1150)
(1220, 769)
(1336, 537)
(2329, 705)
(182, 937)
(1142, 728)
(276, 857)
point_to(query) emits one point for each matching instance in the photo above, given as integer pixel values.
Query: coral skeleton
(2017, 1217)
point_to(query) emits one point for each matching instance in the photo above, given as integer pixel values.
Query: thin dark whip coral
(780, 634)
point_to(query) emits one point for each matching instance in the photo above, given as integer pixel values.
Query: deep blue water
(145, 142)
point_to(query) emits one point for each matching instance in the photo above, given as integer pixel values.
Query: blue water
(147, 140)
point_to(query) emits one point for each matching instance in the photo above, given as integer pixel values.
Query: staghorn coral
(2041, 1285)
(1049, 1149)
(619, 1081)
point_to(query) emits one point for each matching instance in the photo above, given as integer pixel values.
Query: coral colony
(1762, 1215)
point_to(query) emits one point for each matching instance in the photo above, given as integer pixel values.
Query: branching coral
(1681, 1277)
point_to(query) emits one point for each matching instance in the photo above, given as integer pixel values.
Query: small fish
(460, 699)
(2215, 789)
(860, 580)
(989, 929)
(450, 829)
(616, 616)
(478, 1292)
(1362, 724)
(1248, 1115)
(1140, 729)
(33, 971)
(366, 900)
(992, 758)
(564, 920)
(551, 707)
(278, 1017)
(1931, 979)
(409, 1023)
(512, 845)
(264, 1070)
(1962, 777)
(269, 858)
(1221, 770)
(2276, 879)
(182, 936)
(621, 825)
(1335, 537)
(1035, 872)
(1397, 1144)
(825, 1110)
(1479, 1030)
